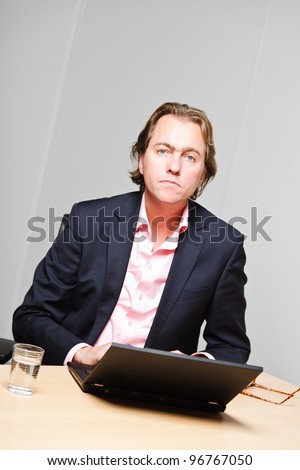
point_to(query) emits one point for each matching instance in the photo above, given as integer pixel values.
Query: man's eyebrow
(184, 150)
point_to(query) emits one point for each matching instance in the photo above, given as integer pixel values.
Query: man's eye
(162, 151)
(190, 158)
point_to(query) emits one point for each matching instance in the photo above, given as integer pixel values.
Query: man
(146, 268)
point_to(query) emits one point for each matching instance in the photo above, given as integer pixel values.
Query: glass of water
(25, 365)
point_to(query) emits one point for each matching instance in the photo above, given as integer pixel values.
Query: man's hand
(91, 355)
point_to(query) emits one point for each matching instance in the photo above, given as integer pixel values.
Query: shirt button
(129, 323)
(140, 296)
(150, 266)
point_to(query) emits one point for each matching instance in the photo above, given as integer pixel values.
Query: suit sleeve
(38, 320)
(225, 330)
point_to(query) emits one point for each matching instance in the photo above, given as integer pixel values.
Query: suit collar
(199, 217)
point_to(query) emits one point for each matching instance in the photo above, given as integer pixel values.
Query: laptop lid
(164, 377)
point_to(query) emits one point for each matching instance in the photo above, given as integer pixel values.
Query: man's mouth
(170, 182)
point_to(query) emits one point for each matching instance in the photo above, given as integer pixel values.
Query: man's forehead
(172, 129)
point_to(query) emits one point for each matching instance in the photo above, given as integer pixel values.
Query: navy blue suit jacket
(77, 284)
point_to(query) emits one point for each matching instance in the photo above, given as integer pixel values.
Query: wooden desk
(60, 416)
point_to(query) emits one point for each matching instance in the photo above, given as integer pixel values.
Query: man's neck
(163, 218)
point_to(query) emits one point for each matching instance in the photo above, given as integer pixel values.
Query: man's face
(173, 165)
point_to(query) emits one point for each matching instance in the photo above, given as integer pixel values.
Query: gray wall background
(78, 80)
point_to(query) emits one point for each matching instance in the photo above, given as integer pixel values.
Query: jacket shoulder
(110, 204)
(212, 223)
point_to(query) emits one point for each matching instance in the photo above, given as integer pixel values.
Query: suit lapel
(119, 247)
(120, 231)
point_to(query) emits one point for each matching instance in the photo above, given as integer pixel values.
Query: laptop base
(79, 371)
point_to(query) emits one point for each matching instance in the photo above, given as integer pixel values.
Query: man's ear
(141, 163)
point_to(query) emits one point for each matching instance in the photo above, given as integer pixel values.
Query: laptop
(167, 378)
(6, 348)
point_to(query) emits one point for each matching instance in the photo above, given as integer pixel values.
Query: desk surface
(60, 416)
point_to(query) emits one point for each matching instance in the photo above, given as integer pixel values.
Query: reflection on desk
(61, 416)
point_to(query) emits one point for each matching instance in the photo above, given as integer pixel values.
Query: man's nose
(174, 164)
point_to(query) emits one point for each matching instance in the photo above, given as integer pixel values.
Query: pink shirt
(143, 285)
(144, 282)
